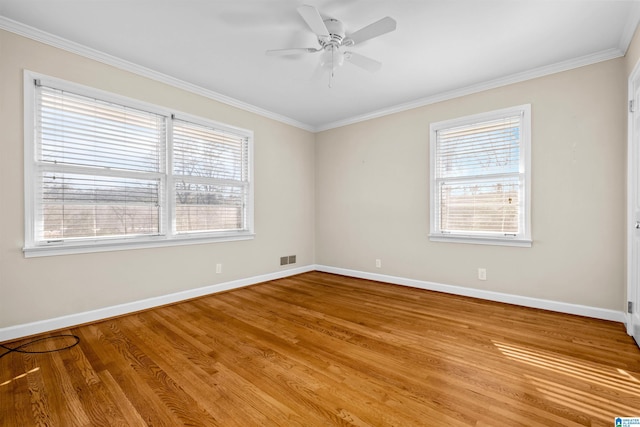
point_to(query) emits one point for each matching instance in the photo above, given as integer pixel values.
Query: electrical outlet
(378, 263)
(482, 274)
(218, 268)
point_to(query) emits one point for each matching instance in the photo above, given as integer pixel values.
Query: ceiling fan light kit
(332, 38)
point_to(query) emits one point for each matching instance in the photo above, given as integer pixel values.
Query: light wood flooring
(321, 350)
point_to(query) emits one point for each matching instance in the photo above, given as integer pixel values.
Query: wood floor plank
(319, 349)
(96, 400)
(140, 392)
(42, 413)
(60, 389)
(131, 415)
(325, 338)
(15, 401)
(391, 350)
(179, 366)
(170, 393)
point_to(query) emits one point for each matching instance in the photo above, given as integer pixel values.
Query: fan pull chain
(333, 68)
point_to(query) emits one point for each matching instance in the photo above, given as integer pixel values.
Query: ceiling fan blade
(378, 28)
(313, 19)
(293, 51)
(363, 62)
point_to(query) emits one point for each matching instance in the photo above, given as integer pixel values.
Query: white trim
(632, 172)
(73, 47)
(87, 52)
(546, 70)
(523, 238)
(450, 238)
(543, 304)
(29, 162)
(167, 236)
(92, 246)
(630, 198)
(63, 322)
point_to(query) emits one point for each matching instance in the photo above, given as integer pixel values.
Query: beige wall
(372, 193)
(370, 182)
(43, 288)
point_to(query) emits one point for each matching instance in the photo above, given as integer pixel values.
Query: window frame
(523, 238)
(168, 236)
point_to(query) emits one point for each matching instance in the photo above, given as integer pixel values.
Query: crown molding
(87, 52)
(582, 61)
(79, 49)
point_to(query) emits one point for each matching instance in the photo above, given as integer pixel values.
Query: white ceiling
(440, 47)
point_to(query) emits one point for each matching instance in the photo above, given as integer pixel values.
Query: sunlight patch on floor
(576, 369)
(20, 376)
(586, 402)
(619, 384)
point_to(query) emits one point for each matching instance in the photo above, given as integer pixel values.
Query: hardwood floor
(319, 349)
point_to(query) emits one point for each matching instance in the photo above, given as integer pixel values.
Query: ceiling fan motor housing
(336, 33)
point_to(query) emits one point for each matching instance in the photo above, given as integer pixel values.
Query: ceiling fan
(333, 40)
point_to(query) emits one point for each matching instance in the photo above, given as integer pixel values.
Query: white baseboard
(27, 329)
(562, 307)
(33, 328)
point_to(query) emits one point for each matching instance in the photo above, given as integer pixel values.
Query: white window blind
(100, 167)
(479, 173)
(211, 178)
(104, 172)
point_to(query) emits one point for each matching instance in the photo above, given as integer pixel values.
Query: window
(210, 178)
(480, 178)
(104, 172)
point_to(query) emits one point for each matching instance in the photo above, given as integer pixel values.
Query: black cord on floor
(19, 349)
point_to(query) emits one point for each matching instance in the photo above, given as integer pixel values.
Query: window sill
(70, 248)
(481, 240)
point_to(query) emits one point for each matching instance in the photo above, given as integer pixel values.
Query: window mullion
(480, 178)
(85, 170)
(194, 179)
(169, 206)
